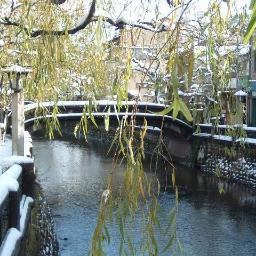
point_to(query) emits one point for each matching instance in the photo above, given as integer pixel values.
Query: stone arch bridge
(176, 130)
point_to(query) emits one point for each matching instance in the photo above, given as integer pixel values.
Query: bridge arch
(73, 110)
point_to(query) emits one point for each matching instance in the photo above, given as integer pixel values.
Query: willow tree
(67, 51)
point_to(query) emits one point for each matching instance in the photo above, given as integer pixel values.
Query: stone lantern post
(14, 73)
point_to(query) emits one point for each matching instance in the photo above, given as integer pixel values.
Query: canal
(73, 177)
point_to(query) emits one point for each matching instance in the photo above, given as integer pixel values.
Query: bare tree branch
(89, 18)
(120, 24)
(58, 2)
(85, 22)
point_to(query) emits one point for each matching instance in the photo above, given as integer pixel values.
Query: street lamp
(14, 73)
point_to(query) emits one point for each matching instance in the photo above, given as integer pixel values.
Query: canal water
(73, 177)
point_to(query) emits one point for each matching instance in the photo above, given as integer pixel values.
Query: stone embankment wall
(233, 160)
(41, 238)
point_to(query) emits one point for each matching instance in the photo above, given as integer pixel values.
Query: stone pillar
(18, 123)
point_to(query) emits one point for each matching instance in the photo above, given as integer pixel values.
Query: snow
(16, 69)
(206, 135)
(9, 161)
(240, 50)
(205, 125)
(107, 114)
(150, 94)
(10, 184)
(134, 92)
(82, 103)
(248, 140)
(240, 93)
(27, 144)
(149, 128)
(82, 20)
(24, 213)
(105, 196)
(100, 12)
(12, 237)
(4, 191)
(127, 19)
(223, 50)
(180, 92)
(7, 184)
(222, 137)
(13, 172)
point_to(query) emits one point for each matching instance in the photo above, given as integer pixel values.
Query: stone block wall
(234, 161)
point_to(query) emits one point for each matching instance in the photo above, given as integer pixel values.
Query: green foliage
(78, 67)
(178, 105)
(252, 24)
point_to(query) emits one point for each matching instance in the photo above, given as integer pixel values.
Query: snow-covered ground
(6, 158)
(6, 148)
(9, 175)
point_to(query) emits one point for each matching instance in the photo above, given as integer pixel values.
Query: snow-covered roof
(240, 49)
(134, 92)
(16, 69)
(241, 93)
(180, 92)
(194, 86)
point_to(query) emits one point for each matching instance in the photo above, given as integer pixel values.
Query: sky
(199, 6)
(135, 9)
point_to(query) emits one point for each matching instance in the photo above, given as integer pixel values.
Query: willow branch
(35, 33)
(87, 20)
(121, 24)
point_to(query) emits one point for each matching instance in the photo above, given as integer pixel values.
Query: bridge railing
(16, 199)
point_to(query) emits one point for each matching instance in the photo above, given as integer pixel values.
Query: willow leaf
(107, 234)
(176, 107)
(91, 115)
(106, 120)
(185, 111)
(252, 4)
(252, 24)
(169, 244)
(165, 111)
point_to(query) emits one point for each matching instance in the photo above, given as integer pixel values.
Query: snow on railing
(16, 199)
(3, 125)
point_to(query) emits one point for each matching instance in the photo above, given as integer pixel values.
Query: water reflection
(73, 178)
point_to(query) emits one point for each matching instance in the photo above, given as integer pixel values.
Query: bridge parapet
(72, 110)
(16, 199)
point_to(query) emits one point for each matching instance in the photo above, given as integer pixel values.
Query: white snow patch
(222, 137)
(24, 213)
(202, 134)
(240, 93)
(16, 69)
(13, 172)
(102, 13)
(7, 184)
(11, 239)
(248, 140)
(9, 161)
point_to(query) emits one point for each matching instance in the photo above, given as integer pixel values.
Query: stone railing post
(28, 179)
(18, 124)
(14, 210)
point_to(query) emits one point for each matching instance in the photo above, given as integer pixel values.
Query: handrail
(16, 193)
(120, 114)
